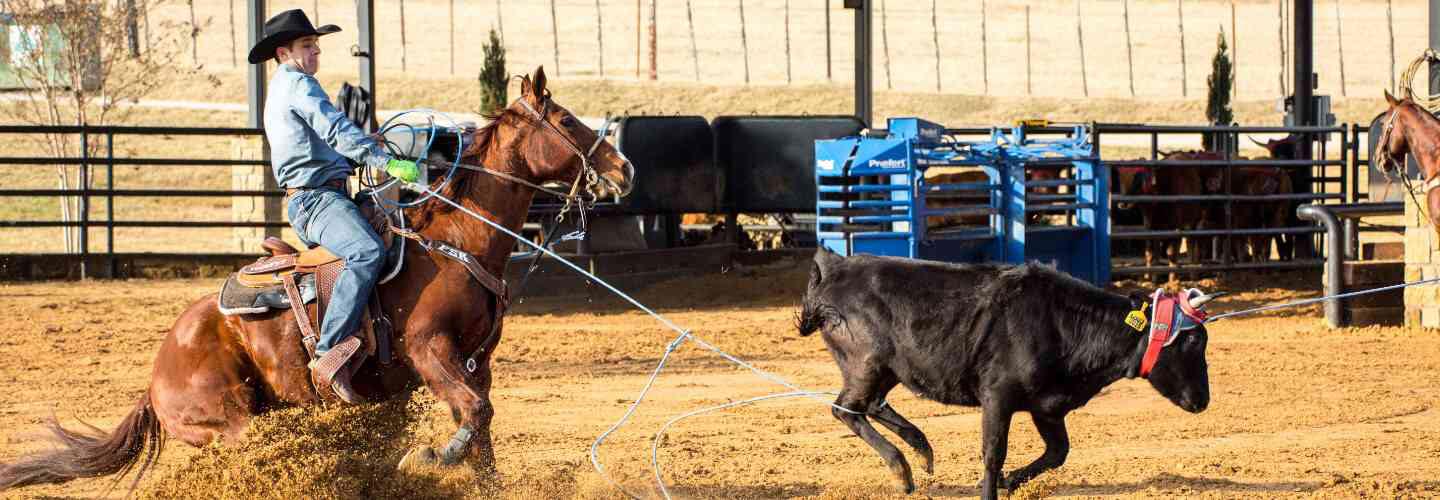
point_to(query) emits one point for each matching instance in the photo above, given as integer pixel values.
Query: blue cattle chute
(874, 197)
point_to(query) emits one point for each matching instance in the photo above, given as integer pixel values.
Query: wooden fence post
(1080, 36)
(637, 39)
(402, 36)
(233, 49)
(1340, 45)
(555, 37)
(935, 35)
(194, 39)
(885, 42)
(787, 42)
(1390, 25)
(1184, 73)
(744, 44)
(985, 49)
(653, 44)
(1129, 48)
(452, 37)
(694, 51)
(600, 38)
(1281, 6)
(1027, 51)
(829, 74)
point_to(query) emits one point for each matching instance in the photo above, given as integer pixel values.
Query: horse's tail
(91, 453)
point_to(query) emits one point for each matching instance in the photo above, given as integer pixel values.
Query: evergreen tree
(1217, 105)
(493, 80)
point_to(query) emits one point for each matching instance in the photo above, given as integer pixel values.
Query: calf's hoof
(927, 457)
(903, 481)
(419, 457)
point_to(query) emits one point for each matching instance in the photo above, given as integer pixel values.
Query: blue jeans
(328, 217)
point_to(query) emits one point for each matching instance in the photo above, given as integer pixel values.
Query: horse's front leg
(440, 363)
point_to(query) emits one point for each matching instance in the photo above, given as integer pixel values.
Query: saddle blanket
(236, 298)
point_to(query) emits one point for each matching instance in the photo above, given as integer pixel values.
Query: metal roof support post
(1304, 57)
(271, 207)
(365, 19)
(1435, 44)
(864, 89)
(255, 83)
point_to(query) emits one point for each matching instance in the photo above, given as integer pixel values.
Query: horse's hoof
(420, 456)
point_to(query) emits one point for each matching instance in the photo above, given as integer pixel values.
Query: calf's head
(1180, 372)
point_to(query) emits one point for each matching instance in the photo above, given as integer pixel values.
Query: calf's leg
(858, 401)
(888, 417)
(995, 438)
(1057, 446)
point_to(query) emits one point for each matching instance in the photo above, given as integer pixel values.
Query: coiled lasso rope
(1407, 80)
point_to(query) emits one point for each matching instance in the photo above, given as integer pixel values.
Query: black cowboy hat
(284, 28)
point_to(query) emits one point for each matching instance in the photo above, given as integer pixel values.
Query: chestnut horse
(214, 372)
(1410, 129)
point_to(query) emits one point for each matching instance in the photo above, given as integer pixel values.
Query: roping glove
(404, 170)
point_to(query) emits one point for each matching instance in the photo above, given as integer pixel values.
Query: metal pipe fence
(85, 193)
(1331, 179)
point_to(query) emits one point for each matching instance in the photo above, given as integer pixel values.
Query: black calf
(1005, 338)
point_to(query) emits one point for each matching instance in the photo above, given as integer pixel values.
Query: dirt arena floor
(1297, 410)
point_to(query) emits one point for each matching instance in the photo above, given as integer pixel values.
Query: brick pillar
(252, 208)
(1422, 261)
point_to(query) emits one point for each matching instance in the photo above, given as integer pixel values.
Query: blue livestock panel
(1021, 199)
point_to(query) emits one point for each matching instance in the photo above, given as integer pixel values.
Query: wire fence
(1101, 48)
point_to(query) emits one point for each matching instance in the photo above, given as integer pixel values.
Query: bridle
(587, 171)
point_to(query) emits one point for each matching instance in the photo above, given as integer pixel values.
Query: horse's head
(1393, 146)
(551, 145)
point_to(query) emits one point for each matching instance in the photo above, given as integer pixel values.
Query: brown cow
(1166, 216)
(1252, 181)
(957, 199)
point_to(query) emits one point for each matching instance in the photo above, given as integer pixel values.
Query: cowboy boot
(334, 369)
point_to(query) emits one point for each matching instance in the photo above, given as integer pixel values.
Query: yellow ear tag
(1136, 320)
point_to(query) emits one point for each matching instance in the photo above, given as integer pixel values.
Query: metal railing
(87, 162)
(1319, 180)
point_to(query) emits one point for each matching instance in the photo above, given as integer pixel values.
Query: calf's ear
(1137, 300)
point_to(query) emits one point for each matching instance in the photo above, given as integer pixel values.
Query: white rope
(1407, 79)
(655, 445)
(674, 344)
(1298, 303)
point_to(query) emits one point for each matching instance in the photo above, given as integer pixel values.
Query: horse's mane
(462, 183)
(1427, 117)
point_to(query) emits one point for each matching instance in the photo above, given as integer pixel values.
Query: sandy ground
(1297, 410)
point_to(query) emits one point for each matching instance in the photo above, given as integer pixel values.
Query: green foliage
(1222, 77)
(493, 79)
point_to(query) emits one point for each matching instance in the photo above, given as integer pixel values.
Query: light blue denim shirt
(308, 135)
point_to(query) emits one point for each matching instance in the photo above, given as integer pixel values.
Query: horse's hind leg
(882, 412)
(200, 388)
(859, 396)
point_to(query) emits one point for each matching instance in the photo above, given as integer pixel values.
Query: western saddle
(286, 265)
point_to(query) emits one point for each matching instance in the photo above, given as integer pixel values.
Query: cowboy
(309, 142)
